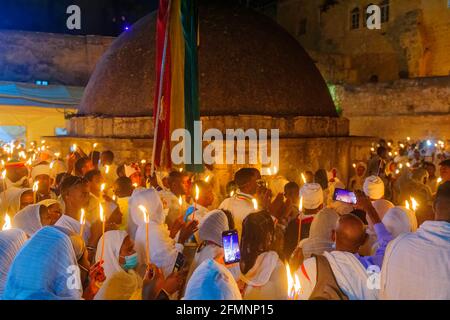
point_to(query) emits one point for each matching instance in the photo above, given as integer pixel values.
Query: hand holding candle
(146, 220)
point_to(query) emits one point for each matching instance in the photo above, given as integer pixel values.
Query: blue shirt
(384, 237)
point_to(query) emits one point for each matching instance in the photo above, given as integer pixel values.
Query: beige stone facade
(413, 42)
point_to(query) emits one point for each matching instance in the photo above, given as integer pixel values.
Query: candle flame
(269, 171)
(135, 185)
(106, 169)
(207, 178)
(7, 224)
(145, 213)
(408, 138)
(197, 192)
(82, 217)
(231, 193)
(402, 145)
(407, 205)
(439, 180)
(95, 145)
(275, 170)
(102, 187)
(181, 169)
(400, 165)
(43, 142)
(143, 161)
(57, 154)
(102, 215)
(397, 171)
(255, 204)
(303, 178)
(35, 186)
(300, 204)
(414, 204)
(408, 164)
(52, 164)
(4, 174)
(74, 147)
(180, 201)
(290, 281)
(114, 197)
(354, 165)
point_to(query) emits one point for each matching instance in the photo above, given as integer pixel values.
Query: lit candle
(181, 169)
(269, 171)
(300, 209)
(94, 146)
(35, 190)
(52, 164)
(82, 222)
(180, 202)
(294, 286)
(408, 138)
(57, 154)
(135, 185)
(303, 178)
(146, 220)
(143, 161)
(414, 204)
(231, 193)
(106, 169)
(255, 204)
(74, 147)
(407, 205)
(7, 224)
(207, 179)
(197, 195)
(354, 165)
(275, 170)
(103, 220)
(439, 180)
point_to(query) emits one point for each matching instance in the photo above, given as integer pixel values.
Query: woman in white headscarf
(357, 181)
(210, 236)
(40, 269)
(10, 243)
(120, 261)
(212, 281)
(15, 199)
(163, 249)
(319, 239)
(398, 220)
(263, 273)
(32, 218)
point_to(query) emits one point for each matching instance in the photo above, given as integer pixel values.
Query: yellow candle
(35, 189)
(146, 220)
(82, 222)
(103, 220)
(197, 195)
(255, 204)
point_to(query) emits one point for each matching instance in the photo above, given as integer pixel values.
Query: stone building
(414, 39)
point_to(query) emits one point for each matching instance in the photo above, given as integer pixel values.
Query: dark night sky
(50, 15)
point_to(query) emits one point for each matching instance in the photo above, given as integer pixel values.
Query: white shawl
(28, 219)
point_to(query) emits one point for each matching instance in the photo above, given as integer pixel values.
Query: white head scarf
(374, 187)
(212, 281)
(28, 219)
(211, 227)
(113, 243)
(40, 169)
(396, 221)
(312, 194)
(10, 243)
(148, 198)
(40, 269)
(382, 206)
(12, 199)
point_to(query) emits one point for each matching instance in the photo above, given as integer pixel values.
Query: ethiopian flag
(176, 95)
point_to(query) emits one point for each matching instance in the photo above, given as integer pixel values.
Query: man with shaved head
(417, 264)
(343, 274)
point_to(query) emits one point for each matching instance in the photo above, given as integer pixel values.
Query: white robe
(416, 265)
(240, 207)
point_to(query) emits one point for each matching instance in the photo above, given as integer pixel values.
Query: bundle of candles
(294, 287)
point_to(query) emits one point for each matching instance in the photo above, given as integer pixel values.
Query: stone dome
(248, 65)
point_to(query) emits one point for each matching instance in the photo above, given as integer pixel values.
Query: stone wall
(415, 107)
(414, 42)
(57, 58)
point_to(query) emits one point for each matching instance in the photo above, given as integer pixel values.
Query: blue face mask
(131, 262)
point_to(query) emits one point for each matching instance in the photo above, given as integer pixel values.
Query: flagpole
(161, 80)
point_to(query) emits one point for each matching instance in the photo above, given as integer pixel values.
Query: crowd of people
(85, 227)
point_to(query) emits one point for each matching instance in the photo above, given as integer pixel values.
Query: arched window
(384, 6)
(354, 18)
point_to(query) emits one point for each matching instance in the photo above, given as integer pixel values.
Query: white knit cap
(396, 221)
(212, 226)
(40, 169)
(374, 187)
(312, 194)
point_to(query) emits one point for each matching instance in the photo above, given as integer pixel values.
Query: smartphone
(179, 263)
(345, 196)
(230, 241)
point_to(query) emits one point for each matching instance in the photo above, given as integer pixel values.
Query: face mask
(131, 262)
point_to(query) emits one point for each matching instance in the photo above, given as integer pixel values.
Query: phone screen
(230, 242)
(179, 263)
(344, 196)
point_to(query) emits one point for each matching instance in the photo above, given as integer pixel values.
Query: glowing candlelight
(231, 193)
(354, 165)
(389, 144)
(408, 164)
(181, 169)
(94, 145)
(408, 138)
(146, 220)
(114, 197)
(372, 149)
(275, 170)
(402, 145)
(303, 178)
(135, 185)
(269, 171)
(74, 147)
(57, 155)
(43, 142)
(82, 222)
(390, 154)
(106, 169)
(407, 205)
(300, 209)
(400, 165)
(255, 204)
(439, 180)
(294, 286)
(207, 178)
(7, 224)
(103, 220)
(52, 164)
(35, 189)
(414, 204)
(197, 195)
(102, 187)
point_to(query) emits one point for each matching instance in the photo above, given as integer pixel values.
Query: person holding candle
(16, 174)
(163, 249)
(41, 174)
(357, 181)
(204, 201)
(82, 166)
